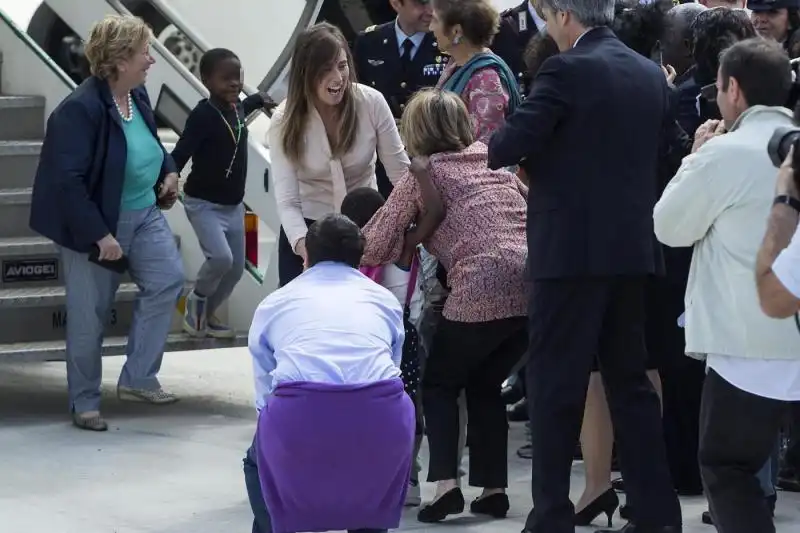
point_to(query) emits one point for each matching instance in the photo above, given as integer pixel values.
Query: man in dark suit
(517, 26)
(588, 136)
(398, 58)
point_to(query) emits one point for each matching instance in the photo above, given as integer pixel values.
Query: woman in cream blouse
(323, 140)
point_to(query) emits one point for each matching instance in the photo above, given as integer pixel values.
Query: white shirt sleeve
(264, 362)
(787, 265)
(287, 188)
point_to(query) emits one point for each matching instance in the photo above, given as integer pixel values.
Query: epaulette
(370, 28)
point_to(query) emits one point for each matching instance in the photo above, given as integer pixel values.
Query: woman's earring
(457, 40)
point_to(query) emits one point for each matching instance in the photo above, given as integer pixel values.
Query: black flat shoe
(626, 512)
(525, 452)
(451, 502)
(606, 503)
(494, 505)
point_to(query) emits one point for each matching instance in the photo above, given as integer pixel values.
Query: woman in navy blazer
(102, 179)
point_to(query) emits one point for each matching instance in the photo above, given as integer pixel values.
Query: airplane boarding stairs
(32, 292)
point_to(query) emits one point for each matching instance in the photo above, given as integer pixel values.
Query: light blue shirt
(332, 324)
(142, 166)
(401, 38)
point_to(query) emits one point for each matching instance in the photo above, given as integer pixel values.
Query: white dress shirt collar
(539, 21)
(401, 38)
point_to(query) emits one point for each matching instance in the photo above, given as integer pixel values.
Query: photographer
(718, 202)
(778, 264)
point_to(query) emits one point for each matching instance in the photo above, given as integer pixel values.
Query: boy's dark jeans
(261, 519)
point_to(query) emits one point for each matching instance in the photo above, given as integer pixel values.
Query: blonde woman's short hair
(114, 39)
(436, 121)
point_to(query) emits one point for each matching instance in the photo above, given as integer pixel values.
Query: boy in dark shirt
(215, 138)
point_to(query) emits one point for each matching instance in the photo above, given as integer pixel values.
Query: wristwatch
(785, 199)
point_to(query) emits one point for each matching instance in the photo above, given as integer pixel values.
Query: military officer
(517, 26)
(398, 58)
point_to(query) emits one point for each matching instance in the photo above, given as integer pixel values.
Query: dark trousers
(290, 265)
(477, 358)
(792, 458)
(572, 322)
(682, 382)
(261, 520)
(737, 437)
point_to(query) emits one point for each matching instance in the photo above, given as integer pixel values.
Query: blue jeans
(156, 267)
(220, 231)
(261, 519)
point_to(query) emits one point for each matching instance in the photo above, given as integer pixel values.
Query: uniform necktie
(405, 59)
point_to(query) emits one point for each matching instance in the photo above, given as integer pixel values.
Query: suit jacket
(377, 59)
(589, 137)
(77, 190)
(516, 29)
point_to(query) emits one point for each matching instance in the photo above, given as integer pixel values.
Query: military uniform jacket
(377, 61)
(516, 29)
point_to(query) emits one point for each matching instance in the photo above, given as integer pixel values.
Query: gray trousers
(156, 267)
(220, 230)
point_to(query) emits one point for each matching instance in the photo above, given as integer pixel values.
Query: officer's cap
(769, 5)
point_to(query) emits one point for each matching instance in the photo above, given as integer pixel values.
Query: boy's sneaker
(194, 318)
(218, 330)
(414, 495)
(157, 396)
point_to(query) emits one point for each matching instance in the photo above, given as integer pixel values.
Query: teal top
(142, 166)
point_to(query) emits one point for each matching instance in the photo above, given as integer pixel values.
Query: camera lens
(781, 142)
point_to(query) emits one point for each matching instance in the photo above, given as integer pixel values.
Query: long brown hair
(316, 51)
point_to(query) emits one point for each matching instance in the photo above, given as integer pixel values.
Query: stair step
(18, 162)
(27, 246)
(56, 350)
(35, 261)
(53, 296)
(21, 117)
(8, 101)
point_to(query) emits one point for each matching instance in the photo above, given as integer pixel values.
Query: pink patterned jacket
(481, 242)
(486, 99)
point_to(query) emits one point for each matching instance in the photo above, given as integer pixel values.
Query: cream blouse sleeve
(284, 179)
(391, 151)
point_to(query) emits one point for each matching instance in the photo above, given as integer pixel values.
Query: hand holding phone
(107, 253)
(110, 249)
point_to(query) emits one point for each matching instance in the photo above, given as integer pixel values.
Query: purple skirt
(333, 457)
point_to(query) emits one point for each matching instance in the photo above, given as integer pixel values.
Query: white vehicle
(260, 31)
(41, 61)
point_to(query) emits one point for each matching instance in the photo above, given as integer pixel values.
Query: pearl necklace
(129, 117)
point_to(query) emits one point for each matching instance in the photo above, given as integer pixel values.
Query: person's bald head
(678, 39)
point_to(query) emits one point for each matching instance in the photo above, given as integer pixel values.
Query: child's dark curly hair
(641, 26)
(713, 31)
(360, 204)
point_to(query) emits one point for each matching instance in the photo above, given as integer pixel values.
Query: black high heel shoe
(606, 503)
(494, 505)
(451, 502)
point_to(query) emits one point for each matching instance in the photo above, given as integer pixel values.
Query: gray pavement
(177, 469)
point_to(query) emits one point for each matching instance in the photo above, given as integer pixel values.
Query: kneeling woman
(483, 334)
(336, 429)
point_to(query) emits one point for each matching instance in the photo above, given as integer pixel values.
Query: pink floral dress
(486, 99)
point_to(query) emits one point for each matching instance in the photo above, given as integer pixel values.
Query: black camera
(781, 142)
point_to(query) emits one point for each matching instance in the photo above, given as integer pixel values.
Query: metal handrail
(30, 43)
(173, 17)
(168, 56)
(192, 80)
